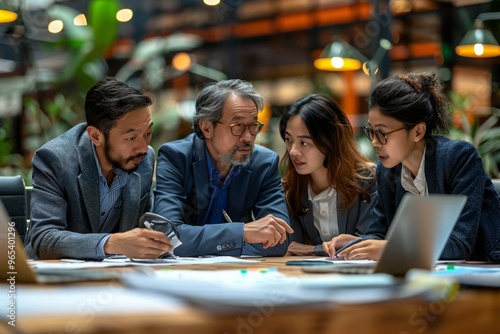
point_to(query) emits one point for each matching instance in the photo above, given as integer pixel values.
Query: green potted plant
(480, 129)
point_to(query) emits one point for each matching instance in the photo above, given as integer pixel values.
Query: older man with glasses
(221, 190)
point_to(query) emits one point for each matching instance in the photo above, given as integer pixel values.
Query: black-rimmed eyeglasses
(238, 129)
(381, 135)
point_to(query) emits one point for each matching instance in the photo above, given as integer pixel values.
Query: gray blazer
(354, 220)
(65, 200)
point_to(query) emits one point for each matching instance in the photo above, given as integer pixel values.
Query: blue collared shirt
(110, 202)
(219, 192)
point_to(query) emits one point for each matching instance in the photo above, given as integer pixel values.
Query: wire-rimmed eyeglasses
(238, 129)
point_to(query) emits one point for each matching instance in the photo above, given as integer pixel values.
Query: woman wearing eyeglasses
(329, 185)
(405, 115)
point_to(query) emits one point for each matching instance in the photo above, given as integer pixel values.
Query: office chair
(13, 197)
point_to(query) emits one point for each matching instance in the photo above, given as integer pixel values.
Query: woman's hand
(364, 250)
(330, 247)
(296, 248)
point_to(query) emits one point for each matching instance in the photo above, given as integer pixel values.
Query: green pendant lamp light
(479, 42)
(340, 56)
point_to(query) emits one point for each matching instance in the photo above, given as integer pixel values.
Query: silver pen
(226, 216)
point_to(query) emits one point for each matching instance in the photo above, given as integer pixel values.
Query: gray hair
(212, 97)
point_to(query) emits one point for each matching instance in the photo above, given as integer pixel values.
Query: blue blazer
(451, 167)
(182, 195)
(354, 220)
(65, 205)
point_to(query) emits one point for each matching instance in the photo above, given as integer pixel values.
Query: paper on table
(487, 275)
(231, 291)
(181, 260)
(271, 277)
(81, 300)
(74, 265)
(124, 261)
(336, 260)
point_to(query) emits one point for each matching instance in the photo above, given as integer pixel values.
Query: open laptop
(417, 236)
(14, 261)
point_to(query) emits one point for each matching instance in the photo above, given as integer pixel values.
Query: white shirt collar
(417, 186)
(324, 206)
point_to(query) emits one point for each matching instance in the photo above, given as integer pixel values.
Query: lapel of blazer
(131, 195)
(341, 215)
(308, 218)
(201, 179)
(400, 191)
(430, 165)
(88, 181)
(238, 189)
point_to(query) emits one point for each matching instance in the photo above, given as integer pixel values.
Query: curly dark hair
(411, 99)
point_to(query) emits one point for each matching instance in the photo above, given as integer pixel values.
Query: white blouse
(324, 206)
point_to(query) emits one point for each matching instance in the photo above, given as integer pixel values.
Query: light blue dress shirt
(110, 202)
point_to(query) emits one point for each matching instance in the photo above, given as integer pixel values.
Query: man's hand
(268, 230)
(138, 243)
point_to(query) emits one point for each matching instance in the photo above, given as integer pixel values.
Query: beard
(116, 163)
(231, 157)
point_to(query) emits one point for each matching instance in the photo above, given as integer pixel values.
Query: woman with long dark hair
(329, 185)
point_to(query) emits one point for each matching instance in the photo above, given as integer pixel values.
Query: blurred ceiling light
(55, 26)
(80, 20)
(479, 42)
(339, 56)
(181, 61)
(7, 16)
(124, 15)
(400, 6)
(211, 2)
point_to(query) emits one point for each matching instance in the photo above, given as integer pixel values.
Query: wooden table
(472, 311)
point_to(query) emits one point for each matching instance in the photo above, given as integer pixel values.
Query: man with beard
(92, 183)
(222, 192)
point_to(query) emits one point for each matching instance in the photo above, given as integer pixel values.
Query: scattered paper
(104, 299)
(231, 291)
(181, 261)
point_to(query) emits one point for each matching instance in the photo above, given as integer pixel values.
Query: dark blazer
(65, 199)
(451, 167)
(182, 195)
(354, 220)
